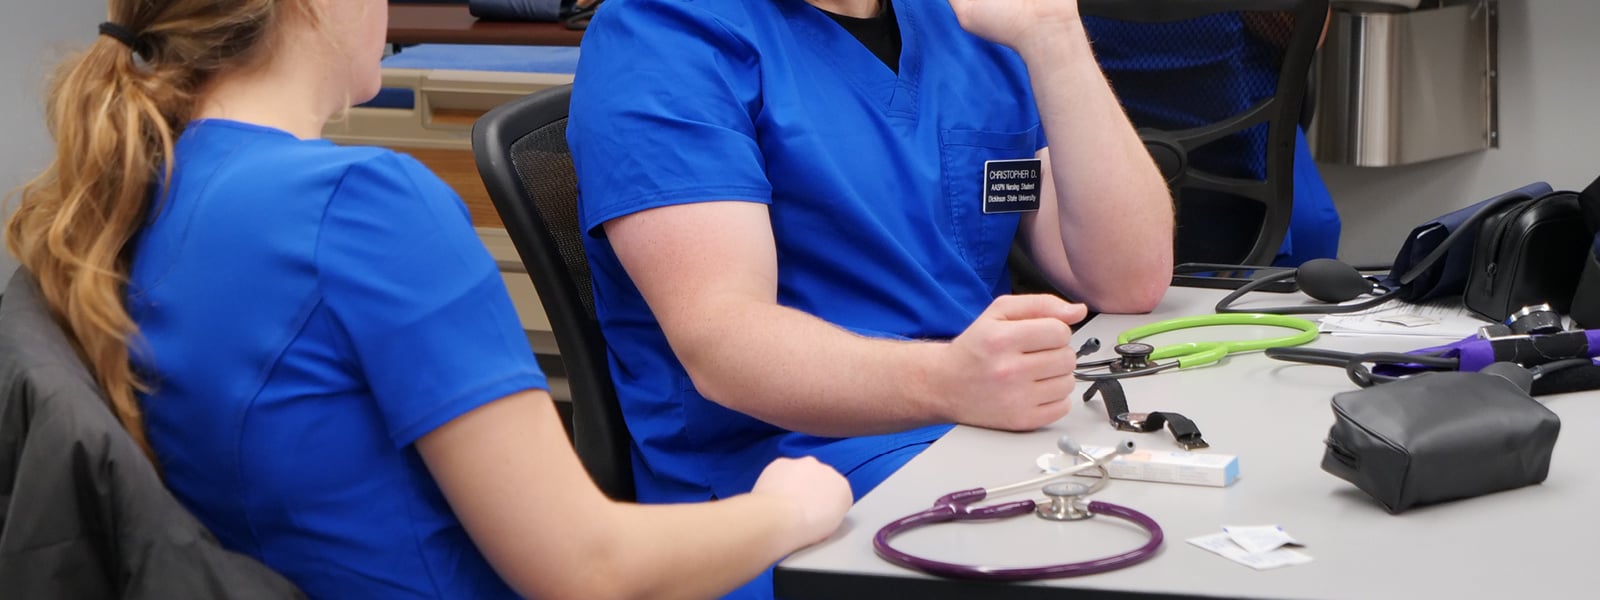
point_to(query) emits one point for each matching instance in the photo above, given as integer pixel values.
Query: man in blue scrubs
(798, 216)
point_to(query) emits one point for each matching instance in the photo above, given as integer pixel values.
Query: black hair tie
(128, 38)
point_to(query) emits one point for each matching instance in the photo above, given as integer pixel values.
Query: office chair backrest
(1200, 79)
(521, 151)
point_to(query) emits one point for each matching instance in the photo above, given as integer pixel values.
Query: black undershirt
(880, 34)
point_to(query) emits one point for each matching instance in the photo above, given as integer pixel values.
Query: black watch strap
(1184, 430)
(1116, 401)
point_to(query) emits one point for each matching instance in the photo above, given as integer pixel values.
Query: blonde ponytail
(115, 114)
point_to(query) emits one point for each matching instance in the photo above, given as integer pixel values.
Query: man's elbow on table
(1132, 294)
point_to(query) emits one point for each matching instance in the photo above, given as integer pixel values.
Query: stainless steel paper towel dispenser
(1397, 87)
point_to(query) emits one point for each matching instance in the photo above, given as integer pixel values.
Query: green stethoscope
(1136, 359)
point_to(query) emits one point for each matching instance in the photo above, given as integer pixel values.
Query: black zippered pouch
(1529, 253)
(1437, 437)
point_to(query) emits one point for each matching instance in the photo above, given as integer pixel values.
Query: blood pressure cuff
(1529, 351)
(1447, 277)
(1437, 437)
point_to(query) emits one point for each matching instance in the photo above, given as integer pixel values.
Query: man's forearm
(1115, 211)
(798, 372)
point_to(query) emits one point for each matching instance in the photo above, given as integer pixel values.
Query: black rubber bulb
(1329, 280)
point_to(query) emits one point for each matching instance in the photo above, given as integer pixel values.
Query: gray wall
(36, 35)
(1549, 130)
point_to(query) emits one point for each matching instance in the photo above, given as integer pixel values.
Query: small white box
(1192, 468)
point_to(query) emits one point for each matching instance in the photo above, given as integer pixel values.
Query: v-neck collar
(880, 33)
(895, 93)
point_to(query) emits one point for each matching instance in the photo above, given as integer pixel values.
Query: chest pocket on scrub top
(983, 239)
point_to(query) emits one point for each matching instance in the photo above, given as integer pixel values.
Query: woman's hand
(817, 494)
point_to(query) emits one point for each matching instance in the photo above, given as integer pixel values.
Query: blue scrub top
(872, 180)
(308, 311)
(1183, 74)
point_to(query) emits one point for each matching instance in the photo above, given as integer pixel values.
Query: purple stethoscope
(1064, 502)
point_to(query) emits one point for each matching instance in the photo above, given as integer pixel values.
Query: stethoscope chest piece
(1065, 502)
(1132, 356)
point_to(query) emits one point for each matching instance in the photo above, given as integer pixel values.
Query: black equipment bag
(1529, 253)
(1586, 302)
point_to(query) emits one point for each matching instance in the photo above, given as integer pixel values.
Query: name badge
(1011, 186)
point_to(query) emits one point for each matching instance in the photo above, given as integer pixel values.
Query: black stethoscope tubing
(1355, 363)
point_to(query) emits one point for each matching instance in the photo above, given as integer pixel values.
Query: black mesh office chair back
(521, 151)
(1200, 79)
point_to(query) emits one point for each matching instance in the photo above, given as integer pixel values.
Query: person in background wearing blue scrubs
(1196, 72)
(798, 217)
(314, 345)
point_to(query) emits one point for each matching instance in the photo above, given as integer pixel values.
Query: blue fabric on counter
(392, 98)
(472, 57)
(516, 10)
(475, 57)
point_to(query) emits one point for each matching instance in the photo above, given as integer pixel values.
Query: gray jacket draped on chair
(83, 514)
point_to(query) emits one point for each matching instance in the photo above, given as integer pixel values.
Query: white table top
(1529, 542)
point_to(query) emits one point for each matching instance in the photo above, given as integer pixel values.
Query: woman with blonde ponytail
(312, 345)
